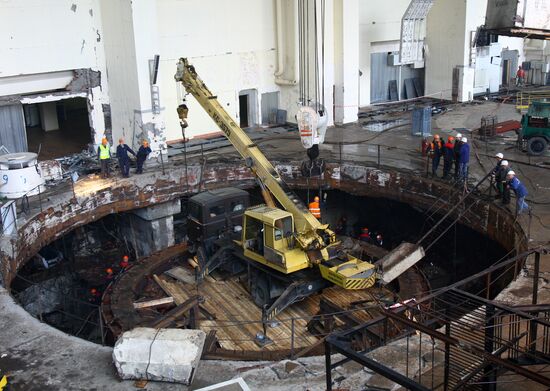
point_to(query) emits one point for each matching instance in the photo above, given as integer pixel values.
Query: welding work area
(327, 195)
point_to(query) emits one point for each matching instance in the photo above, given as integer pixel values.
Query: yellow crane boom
(316, 240)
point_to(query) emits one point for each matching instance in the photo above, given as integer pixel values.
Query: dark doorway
(243, 110)
(56, 129)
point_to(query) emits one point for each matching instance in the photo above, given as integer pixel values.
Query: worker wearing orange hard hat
(142, 154)
(104, 156)
(448, 157)
(109, 275)
(364, 236)
(125, 262)
(95, 296)
(435, 151)
(315, 207)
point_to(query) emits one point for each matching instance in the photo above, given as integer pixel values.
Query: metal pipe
(279, 26)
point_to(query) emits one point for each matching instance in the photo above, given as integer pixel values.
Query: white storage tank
(20, 174)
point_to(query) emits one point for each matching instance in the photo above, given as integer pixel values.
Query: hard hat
(464, 140)
(104, 140)
(459, 135)
(450, 139)
(125, 258)
(499, 155)
(109, 270)
(316, 199)
(504, 163)
(511, 172)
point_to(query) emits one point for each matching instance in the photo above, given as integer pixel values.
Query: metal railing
(475, 337)
(524, 98)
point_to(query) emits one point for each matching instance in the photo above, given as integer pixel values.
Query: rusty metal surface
(96, 199)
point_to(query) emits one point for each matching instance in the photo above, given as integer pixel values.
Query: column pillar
(346, 60)
(151, 229)
(48, 116)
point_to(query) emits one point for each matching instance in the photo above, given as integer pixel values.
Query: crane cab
(215, 213)
(268, 238)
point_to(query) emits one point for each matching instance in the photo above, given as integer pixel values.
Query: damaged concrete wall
(50, 45)
(229, 56)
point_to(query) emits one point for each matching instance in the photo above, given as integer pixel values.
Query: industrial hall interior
(301, 195)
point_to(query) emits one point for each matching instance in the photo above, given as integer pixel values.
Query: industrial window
(216, 210)
(283, 228)
(236, 206)
(195, 211)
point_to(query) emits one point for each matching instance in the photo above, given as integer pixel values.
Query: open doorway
(243, 111)
(248, 112)
(56, 129)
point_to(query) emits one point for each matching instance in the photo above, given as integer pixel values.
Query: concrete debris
(170, 355)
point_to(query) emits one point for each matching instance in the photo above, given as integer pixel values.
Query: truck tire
(537, 146)
(260, 292)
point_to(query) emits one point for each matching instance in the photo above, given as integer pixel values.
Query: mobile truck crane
(288, 253)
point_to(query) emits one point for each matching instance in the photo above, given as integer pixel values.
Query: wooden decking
(238, 319)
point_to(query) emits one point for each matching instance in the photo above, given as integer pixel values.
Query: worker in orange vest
(435, 151)
(315, 207)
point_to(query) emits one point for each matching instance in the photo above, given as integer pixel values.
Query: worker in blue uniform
(519, 189)
(123, 159)
(142, 154)
(463, 160)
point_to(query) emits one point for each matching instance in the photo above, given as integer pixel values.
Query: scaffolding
(480, 343)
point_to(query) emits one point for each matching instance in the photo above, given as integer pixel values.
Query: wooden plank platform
(238, 319)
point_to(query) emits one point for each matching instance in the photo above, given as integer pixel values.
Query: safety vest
(104, 152)
(315, 209)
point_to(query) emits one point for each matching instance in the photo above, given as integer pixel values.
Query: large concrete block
(169, 355)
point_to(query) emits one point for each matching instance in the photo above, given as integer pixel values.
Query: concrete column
(48, 116)
(144, 16)
(346, 60)
(151, 229)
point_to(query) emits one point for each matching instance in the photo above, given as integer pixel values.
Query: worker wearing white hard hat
(499, 156)
(519, 189)
(501, 171)
(456, 150)
(463, 160)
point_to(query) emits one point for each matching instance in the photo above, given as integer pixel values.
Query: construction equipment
(288, 253)
(535, 128)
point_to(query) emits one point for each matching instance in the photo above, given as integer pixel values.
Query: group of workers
(371, 237)
(122, 151)
(455, 150)
(109, 276)
(505, 180)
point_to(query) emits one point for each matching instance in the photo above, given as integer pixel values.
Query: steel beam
(381, 369)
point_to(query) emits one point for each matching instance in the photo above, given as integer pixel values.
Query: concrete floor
(38, 357)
